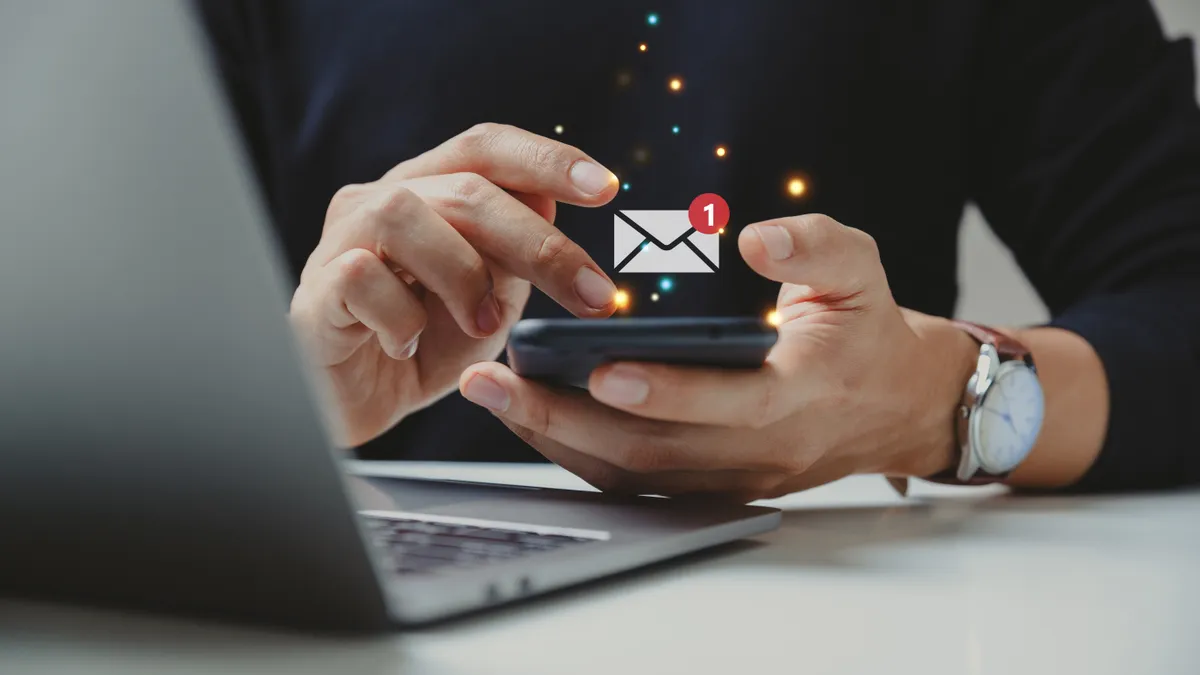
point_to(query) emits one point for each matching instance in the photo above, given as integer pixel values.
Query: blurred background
(993, 290)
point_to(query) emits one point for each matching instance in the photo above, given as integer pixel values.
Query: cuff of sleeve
(1149, 360)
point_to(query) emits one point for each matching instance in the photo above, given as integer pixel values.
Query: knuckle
(354, 267)
(345, 200)
(539, 418)
(475, 273)
(472, 190)
(479, 137)
(348, 193)
(554, 249)
(818, 230)
(397, 205)
(866, 243)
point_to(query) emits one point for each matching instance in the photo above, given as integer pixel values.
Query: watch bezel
(990, 368)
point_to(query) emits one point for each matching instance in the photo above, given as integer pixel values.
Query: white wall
(993, 289)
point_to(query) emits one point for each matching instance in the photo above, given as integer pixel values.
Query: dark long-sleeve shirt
(1073, 124)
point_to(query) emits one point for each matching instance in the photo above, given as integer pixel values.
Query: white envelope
(660, 242)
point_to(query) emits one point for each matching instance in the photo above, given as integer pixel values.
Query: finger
(839, 264)
(351, 299)
(403, 230)
(572, 418)
(543, 206)
(598, 473)
(517, 160)
(730, 485)
(733, 398)
(519, 240)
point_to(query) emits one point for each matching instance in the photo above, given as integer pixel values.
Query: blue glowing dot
(665, 284)
(645, 246)
(675, 129)
(652, 19)
(625, 186)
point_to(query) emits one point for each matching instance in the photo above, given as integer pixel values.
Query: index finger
(518, 160)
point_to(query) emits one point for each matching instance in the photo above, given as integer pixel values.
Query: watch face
(1009, 418)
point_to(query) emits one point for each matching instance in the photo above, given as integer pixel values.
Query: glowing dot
(643, 47)
(796, 187)
(721, 231)
(621, 299)
(558, 129)
(645, 246)
(675, 129)
(675, 84)
(665, 284)
(654, 297)
(721, 151)
(652, 19)
(773, 318)
(626, 186)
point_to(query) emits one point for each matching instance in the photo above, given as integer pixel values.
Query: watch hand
(1004, 416)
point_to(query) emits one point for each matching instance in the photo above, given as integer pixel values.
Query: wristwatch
(1001, 413)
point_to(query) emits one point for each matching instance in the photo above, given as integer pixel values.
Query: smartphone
(565, 351)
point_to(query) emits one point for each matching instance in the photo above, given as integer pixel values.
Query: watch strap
(1005, 345)
(1008, 348)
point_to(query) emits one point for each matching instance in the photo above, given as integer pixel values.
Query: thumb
(816, 251)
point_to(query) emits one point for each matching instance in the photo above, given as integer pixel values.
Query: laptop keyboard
(418, 546)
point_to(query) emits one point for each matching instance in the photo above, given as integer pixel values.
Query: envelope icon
(659, 242)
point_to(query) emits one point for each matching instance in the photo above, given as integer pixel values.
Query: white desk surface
(955, 580)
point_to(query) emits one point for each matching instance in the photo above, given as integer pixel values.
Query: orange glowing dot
(621, 299)
(643, 47)
(721, 231)
(721, 151)
(675, 84)
(773, 318)
(796, 187)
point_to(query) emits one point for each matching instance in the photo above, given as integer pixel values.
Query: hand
(854, 385)
(423, 272)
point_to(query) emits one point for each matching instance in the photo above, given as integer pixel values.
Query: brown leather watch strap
(1006, 347)
(950, 477)
(1004, 344)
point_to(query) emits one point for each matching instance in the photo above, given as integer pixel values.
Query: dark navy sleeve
(1086, 163)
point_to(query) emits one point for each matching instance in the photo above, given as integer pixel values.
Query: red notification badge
(708, 213)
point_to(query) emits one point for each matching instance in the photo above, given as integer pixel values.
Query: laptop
(163, 447)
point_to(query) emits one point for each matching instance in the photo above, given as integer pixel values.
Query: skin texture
(423, 272)
(855, 384)
(419, 277)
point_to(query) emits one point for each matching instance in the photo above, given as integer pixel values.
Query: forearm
(1077, 401)
(1076, 393)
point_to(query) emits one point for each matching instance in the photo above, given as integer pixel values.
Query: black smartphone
(565, 351)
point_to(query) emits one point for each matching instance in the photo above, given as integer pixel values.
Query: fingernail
(410, 348)
(484, 391)
(591, 178)
(777, 241)
(623, 385)
(487, 317)
(595, 291)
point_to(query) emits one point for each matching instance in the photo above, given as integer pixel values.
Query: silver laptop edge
(162, 446)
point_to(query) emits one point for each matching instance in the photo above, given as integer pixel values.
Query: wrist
(945, 358)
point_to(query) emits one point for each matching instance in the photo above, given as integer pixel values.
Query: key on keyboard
(418, 546)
